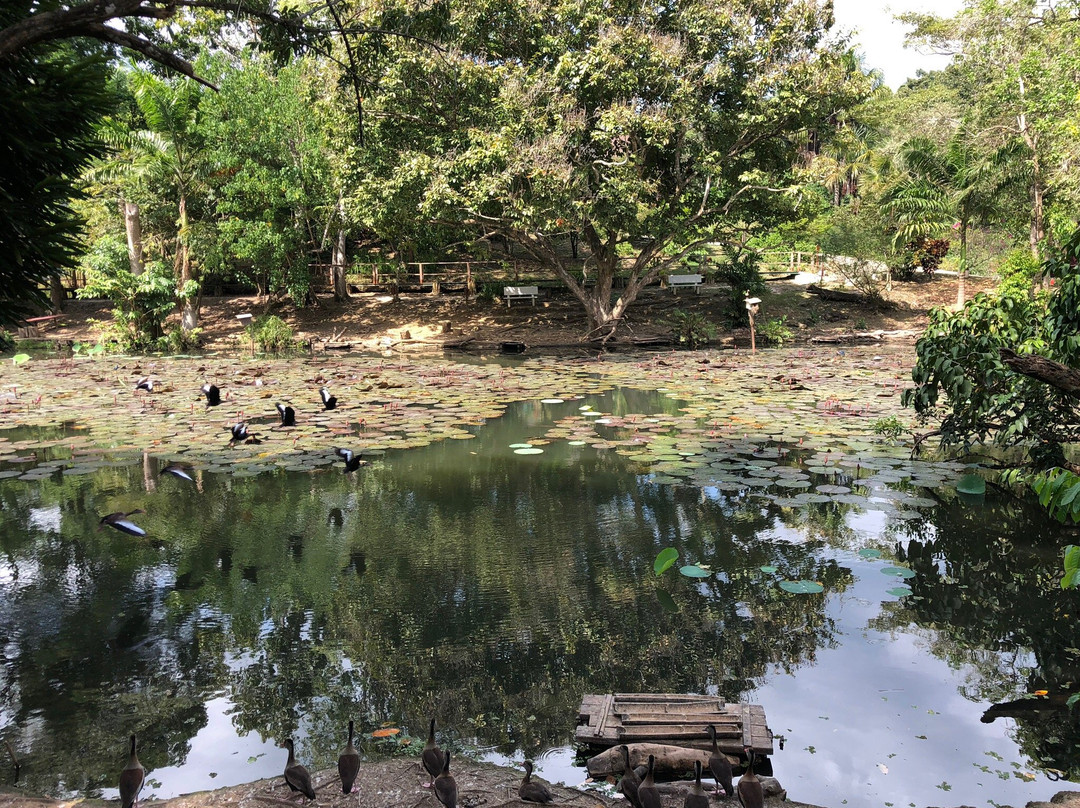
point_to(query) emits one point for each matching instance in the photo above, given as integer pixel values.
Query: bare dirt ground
(370, 321)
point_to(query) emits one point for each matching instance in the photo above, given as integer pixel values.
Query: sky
(881, 38)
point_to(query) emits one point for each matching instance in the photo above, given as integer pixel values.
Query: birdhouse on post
(752, 304)
(245, 320)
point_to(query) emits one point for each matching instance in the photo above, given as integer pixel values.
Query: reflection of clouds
(46, 519)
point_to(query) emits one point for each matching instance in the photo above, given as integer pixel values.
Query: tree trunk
(133, 228)
(1045, 370)
(189, 318)
(56, 293)
(961, 284)
(337, 269)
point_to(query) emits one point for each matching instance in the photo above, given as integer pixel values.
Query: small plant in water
(690, 329)
(775, 332)
(889, 428)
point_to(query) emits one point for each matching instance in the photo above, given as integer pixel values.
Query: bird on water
(446, 785)
(720, 767)
(532, 791)
(145, 383)
(213, 395)
(353, 461)
(750, 792)
(628, 785)
(178, 470)
(287, 413)
(432, 757)
(647, 793)
(348, 764)
(329, 401)
(297, 778)
(131, 779)
(121, 522)
(696, 798)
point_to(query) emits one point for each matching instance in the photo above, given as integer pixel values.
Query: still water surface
(493, 589)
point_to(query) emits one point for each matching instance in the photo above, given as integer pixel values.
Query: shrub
(889, 428)
(1018, 272)
(690, 329)
(271, 334)
(775, 331)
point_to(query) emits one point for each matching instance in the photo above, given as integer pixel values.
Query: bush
(927, 253)
(1018, 272)
(690, 329)
(271, 334)
(775, 332)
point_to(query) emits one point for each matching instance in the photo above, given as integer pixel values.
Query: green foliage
(1071, 579)
(690, 328)
(1018, 272)
(271, 334)
(960, 377)
(140, 302)
(889, 428)
(927, 253)
(775, 331)
(739, 273)
(1058, 491)
(664, 560)
(51, 97)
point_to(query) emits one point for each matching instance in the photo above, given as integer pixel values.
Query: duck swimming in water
(329, 401)
(213, 395)
(120, 521)
(288, 414)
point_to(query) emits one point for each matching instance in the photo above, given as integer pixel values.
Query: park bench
(675, 282)
(511, 293)
(34, 327)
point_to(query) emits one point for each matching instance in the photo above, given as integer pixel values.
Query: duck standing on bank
(297, 778)
(348, 765)
(446, 785)
(131, 779)
(647, 793)
(532, 791)
(750, 792)
(696, 798)
(432, 757)
(720, 767)
(630, 782)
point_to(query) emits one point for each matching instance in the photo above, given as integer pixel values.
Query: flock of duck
(120, 520)
(640, 792)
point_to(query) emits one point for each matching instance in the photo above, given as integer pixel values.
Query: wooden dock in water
(671, 718)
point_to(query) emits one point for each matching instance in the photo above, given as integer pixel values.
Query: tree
(646, 131)
(1005, 368)
(51, 101)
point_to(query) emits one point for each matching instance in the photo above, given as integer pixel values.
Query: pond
(493, 561)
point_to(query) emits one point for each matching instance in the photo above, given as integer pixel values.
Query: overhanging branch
(1059, 376)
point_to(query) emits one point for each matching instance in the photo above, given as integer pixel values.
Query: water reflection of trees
(490, 592)
(987, 595)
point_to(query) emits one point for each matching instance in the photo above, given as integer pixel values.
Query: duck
(446, 785)
(348, 764)
(213, 395)
(297, 778)
(120, 521)
(240, 433)
(131, 779)
(697, 798)
(648, 796)
(750, 792)
(533, 791)
(628, 785)
(432, 756)
(329, 401)
(352, 461)
(287, 413)
(720, 767)
(145, 383)
(178, 470)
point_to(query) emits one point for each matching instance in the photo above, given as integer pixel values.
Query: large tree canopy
(646, 129)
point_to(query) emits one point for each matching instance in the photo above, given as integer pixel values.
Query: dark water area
(493, 589)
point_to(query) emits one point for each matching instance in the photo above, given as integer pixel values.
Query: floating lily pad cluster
(737, 422)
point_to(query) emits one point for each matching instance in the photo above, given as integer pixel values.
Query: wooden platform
(671, 718)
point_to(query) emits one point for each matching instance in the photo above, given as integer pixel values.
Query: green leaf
(664, 559)
(971, 484)
(667, 603)
(694, 571)
(767, 568)
(898, 572)
(18, 359)
(870, 552)
(802, 587)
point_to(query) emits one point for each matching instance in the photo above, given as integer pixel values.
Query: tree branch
(146, 48)
(1047, 371)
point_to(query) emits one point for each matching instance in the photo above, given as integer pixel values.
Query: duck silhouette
(119, 520)
(348, 764)
(131, 779)
(287, 413)
(213, 395)
(353, 461)
(297, 778)
(178, 470)
(329, 401)
(532, 791)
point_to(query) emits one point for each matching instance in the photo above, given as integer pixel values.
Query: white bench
(511, 293)
(677, 281)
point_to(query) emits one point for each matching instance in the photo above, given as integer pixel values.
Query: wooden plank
(667, 698)
(605, 714)
(718, 719)
(673, 732)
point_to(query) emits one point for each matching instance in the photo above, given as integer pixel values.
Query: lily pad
(531, 450)
(801, 587)
(767, 568)
(870, 552)
(664, 559)
(971, 484)
(898, 572)
(694, 571)
(898, 591)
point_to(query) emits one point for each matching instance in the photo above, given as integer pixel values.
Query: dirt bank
(370, 321)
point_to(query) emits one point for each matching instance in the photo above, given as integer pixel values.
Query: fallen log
(671, 762)
(836, 294)
(864, 336)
